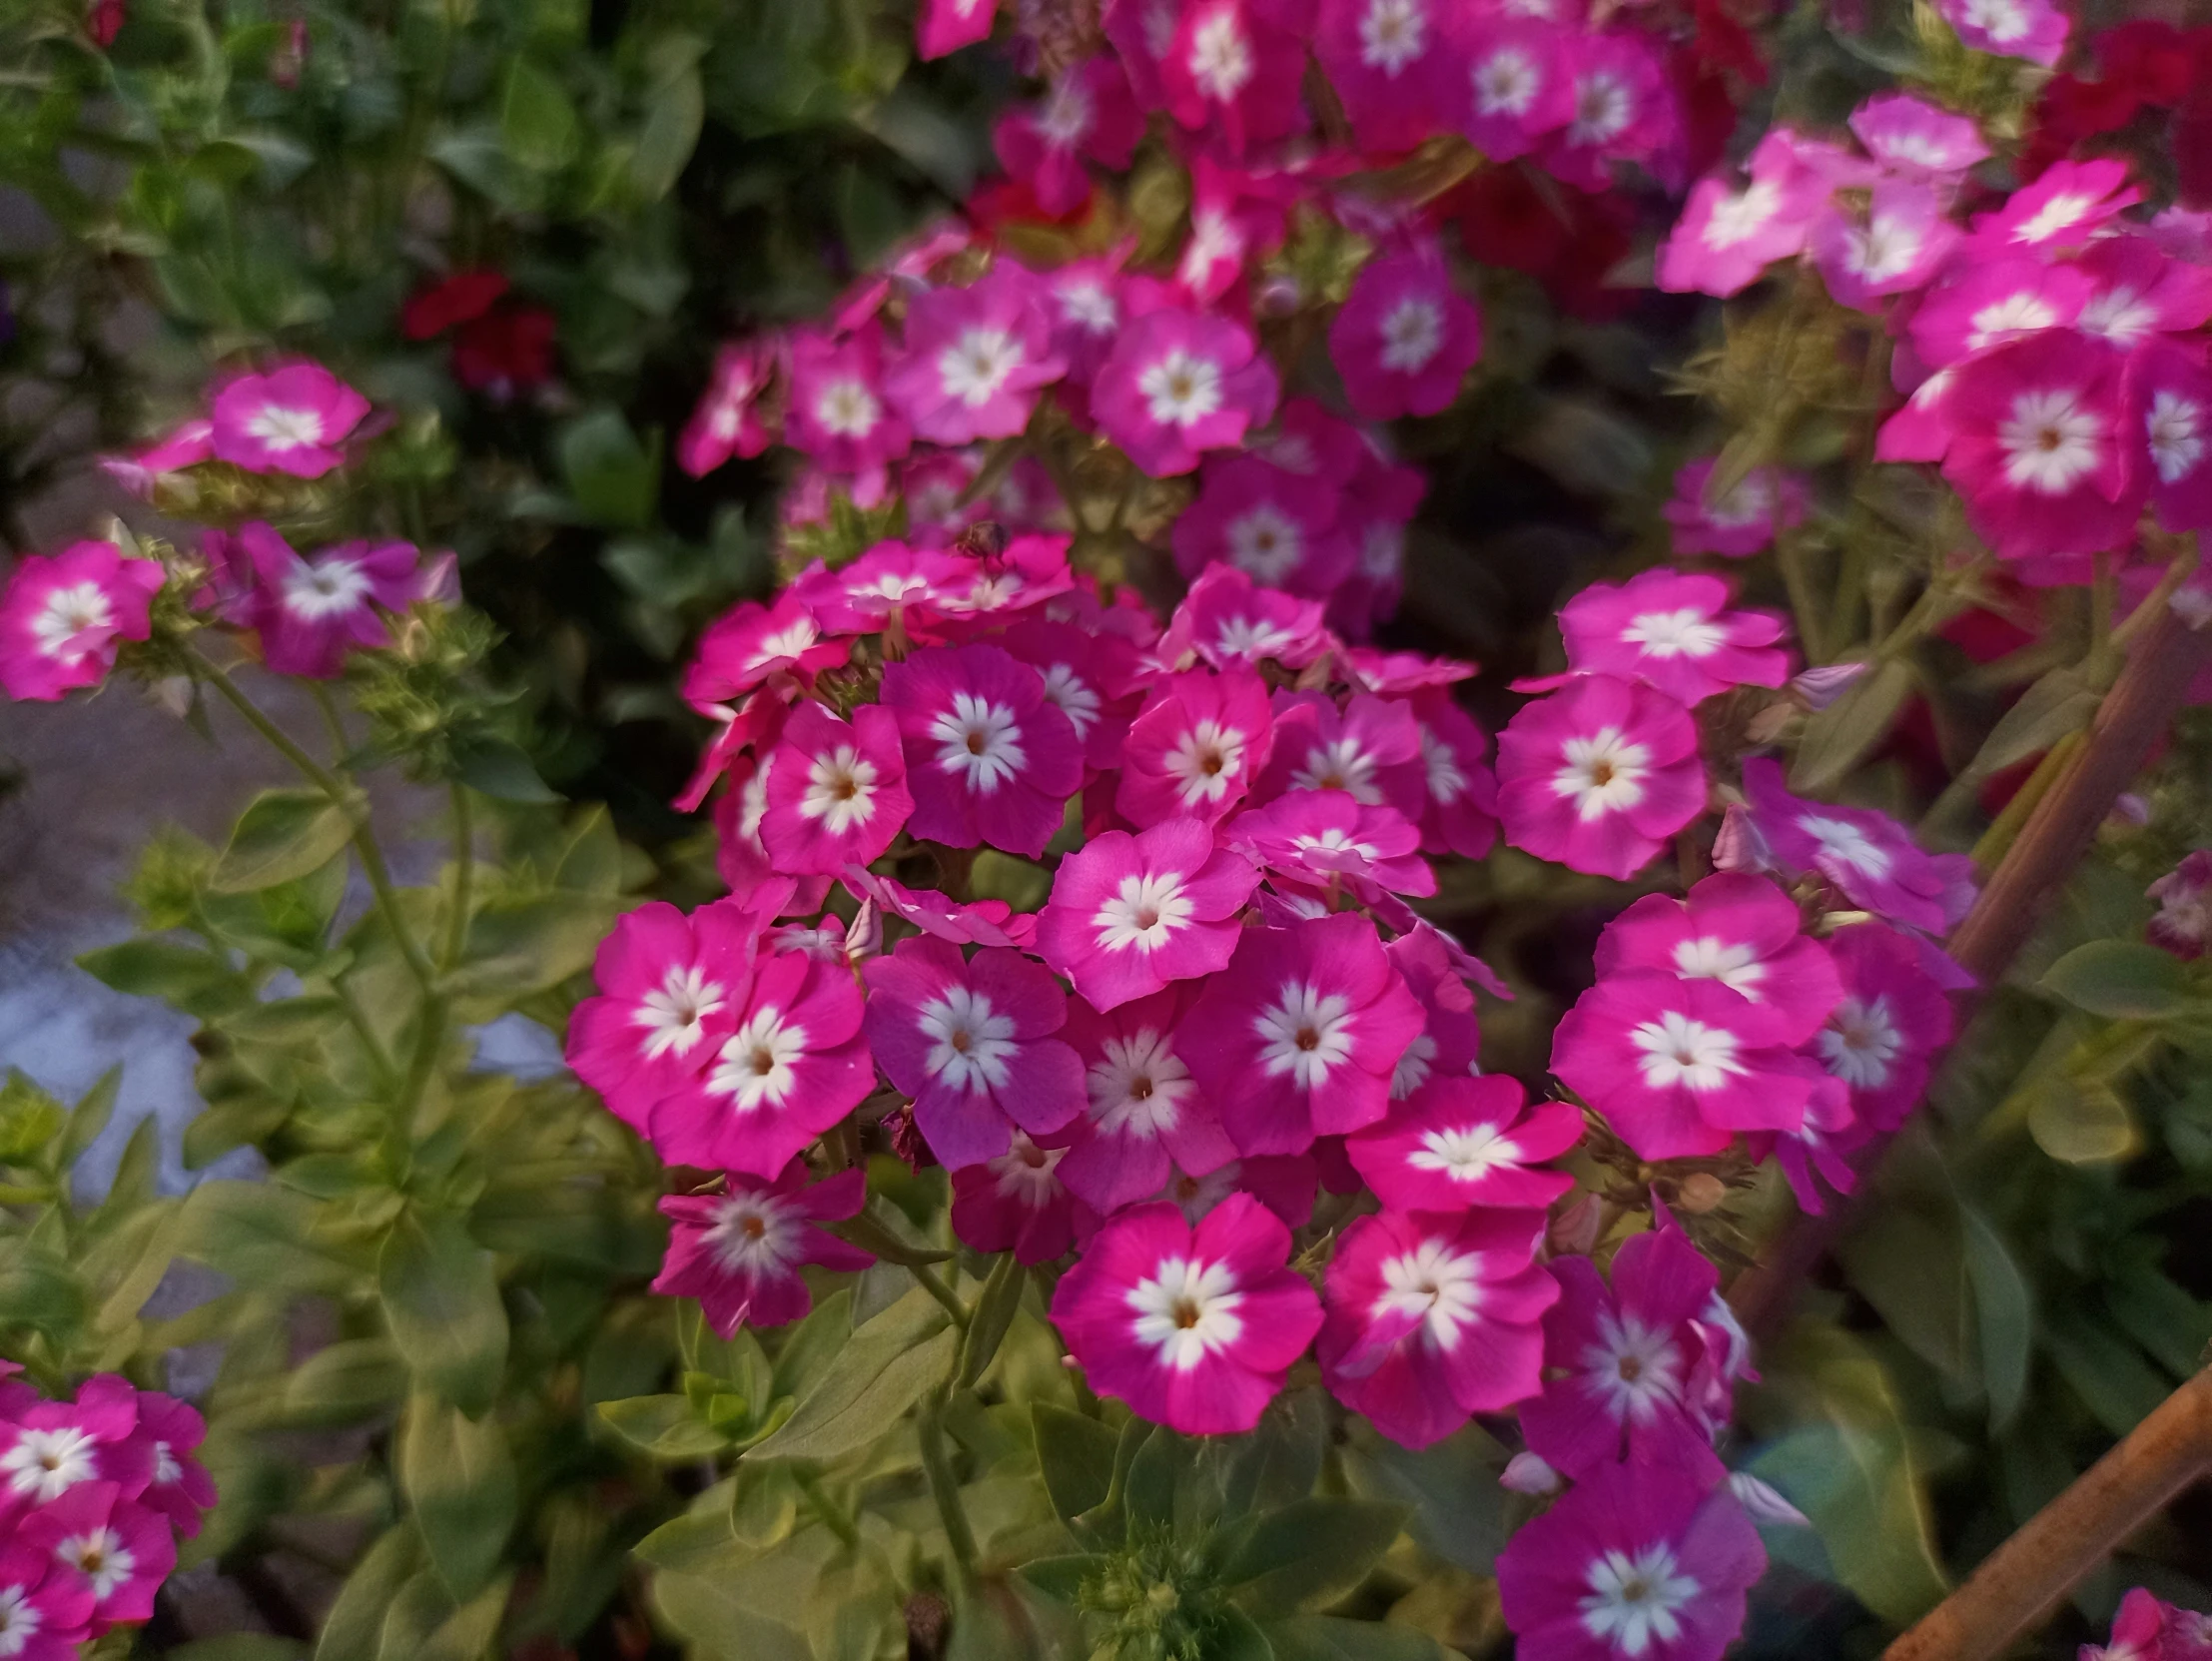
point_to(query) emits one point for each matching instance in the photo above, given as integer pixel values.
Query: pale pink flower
(1458, 1142)
(739, 1252)
(1740, 930)
(1277, 528)
(1885, 1034)
(1327, 838)
(753, 643)
(2032, 29)
(1679, 1066)
(989, 759)
(727, 420)
(2067, 204)
(1740, 523)
(1729, 234)
(1088, 113)
(1518, 84)
(1018, 1203)
(186, 446)
(1227, 619)
(947, 25)
(1196, 748)
(1370, 749)
(1989, 301)
(1900, 241)
(1404, 338)
(2184, 895)
(1634, 1564)
(1459, 806)
(1179, 383)
(1434, 1318)
(1917, 139)
(1389, 62)
(290, 421)
(1193, 1328)
(837, 794)
(1129, 914)
(975, 359)
(1297, 1037)
(64, 616)
(1673, 630)
(312, 610)
(1597, 775)
(1145, 1117)
(892, 585)
(838, 413)
(972, 1045)
(1232, 73)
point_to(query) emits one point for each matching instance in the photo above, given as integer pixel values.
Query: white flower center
(1635, 1368)
(102, 1558)
(1860, 1042)
(969, 1045)
(840, 790)
(1687, 632)
(759, 1062)
(1750, 503)
(1186, 1311)
(1025, 1173)
(790, 641)
(1603, 109)
(2060, 214)
(1632, 1601)
(1731, 962)
(1220, 57)
(975, 367)
(1742, 215)
(280, 429)
(1392, 34)
(1840, 839)
(980, 740)
(2176, 428)
(2004, 21)
(1065, 115)
(69, 612)
(1465, 1153)
(1340, 764)
(1441, 1286)
(1089, 307)
(2050, 441)
(754, 1235)
(1181, 389)
(2119, 315)
(45, 1465)
(672, 1011)
(1137, 1085)
(1074, 696)
(1144, 912)
(2015, 313)
(847, 409)
(1249, 637)
(1602, 773)
(1678, 1051)
(19, 1620)
(1265, 544)
(1886, 247)
(1306, 1033)
(1507, 82)
(1447, 779)
(328, 588)
(1206, 759)
(1412, 334)
(1414, 1067)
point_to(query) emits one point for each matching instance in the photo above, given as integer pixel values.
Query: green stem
(341, 744)
(358, 1019)
(937, 1464)
(938, 1289)
(831, 1514)
(279, 740)
(1789, 556)
(464, 872)
(430, 1034)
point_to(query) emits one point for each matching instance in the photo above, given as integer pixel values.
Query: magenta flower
(107, 1545)
(976, 923)
(837, 794)
(1922, 429)
(794, 1063)
(1673, 630)
(1739, 523)
(1297, 1037)
(1994, 300)
(1623, 109)
(838, 414)
(51, 1448)
(1599, 775)
(739, 1252)
(1434, 1318)
(2184, 895)
(312, 610)
(1519, 83)
(1404, 338)
(1091, 677)
(752, 645)
(188, 444)
(1088, 113)
(1018, 1203)
(1866, 853)
(947, 25)
(2138, 292)
(1232, 73)
(1623, 1356)
(1896, 246)
(1740, 930)
(1634, 1564)
(63, 617)
(1193, 1328)
(1451, 1035)
(989, 759)
(1370, 750)
(1912, 137)
(1885, 1034)
(973, 1044)
(727, 420)
(975, 359)
(1285, 1183)
(1324, 838)
(1277, 528)
(1379, 505)
(669, 986)
(180, 1487)
(2066, 205)
(1177, 382)
(1227, 619)
(1145, 1118)
(290, 421)
(1459, 808)
(1679, 1066)
(1389, 62)
(1196, 748)
(1459, 1142)
(1129, 914)
(45, 1607)
(2032, 29)
(892, 585)
(1729, 235)
(2041, 448)
(2145, 1629)
(1820, 1150)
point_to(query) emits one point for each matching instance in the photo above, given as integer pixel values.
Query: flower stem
(831, 1514)
(464, 872)
(937, 1464)
(937, 1288)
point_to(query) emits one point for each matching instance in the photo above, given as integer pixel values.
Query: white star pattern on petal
(1678, 1051)
(1602, 773)
(1185, 1311)
(758, 1066)
(980, 740)
(1306, 1033)
(1632, 1601)
(969, 1044)
(67, 614)
(672, 1011)
(1144, 913)
(2050, 441)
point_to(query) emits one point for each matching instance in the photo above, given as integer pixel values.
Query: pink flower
(107, 1545)
(2032, 29)
(1634, 1564)
(1297, 1037)
(1323, 837)
(63, 617)
(1987, 302)
(975, 359)
(1130, 914)
(2184, 895)
(1145, 1117)
(51, 1448)
(1599, 774)
(980, 923)
(1451, 1035)
(1227, 619)
(1196, 748)
(188, 445)
(1819, 1151)
(1177, 382)
(727, 421)
(739, 1253)
(1885, 1034)
(793, 1063)
(2173, 393)
(752, 645)
(1678, 1066)
(1459, 809)
(1018, 1203)
(1378, 504)
(1091, 677)
(972, 1042)
(1230, 72)
(1625, 1353)
(1087, 111)
(1866, 853)
(1912, 137)
(291, 419)
(837, 794)
(1434, 1318)
(1370, 750)
(891, 584)
(311, 611)
(1236, 217)
(1728, 237)
(1388, 61)
(2148, 1629)
(1458, 1142)
(2066, 205)
(989, 759)
(1284, 1184)
(2138, 291)
(838, 414)
(1674, 632)
(1739, 523)
(180, 1487)
(1193, 1328)
(1518, 84)
(1277, 528)
(1900, 241)
(947, 25)
(45, 1606)
(1404, 338)
(1740, 930)
(1621, 110)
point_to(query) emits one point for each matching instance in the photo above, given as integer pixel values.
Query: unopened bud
(1763, 1503)
(1701, 1192)
(1821, 686)
(1530, 1473)
(1575, 1230)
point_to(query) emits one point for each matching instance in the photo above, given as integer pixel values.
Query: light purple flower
(1740, 523)
(1325, 838)
(312, 610)
(1863, 852)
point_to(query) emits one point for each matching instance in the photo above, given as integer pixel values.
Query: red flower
(2154, 61)
(506, 351)
(103, 21)
(461, 298)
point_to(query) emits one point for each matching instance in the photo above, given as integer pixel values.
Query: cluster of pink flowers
(94, 1494)
(2050, 345)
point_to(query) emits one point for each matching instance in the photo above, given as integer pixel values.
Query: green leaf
(2061, 703)
(37, 1290)
(2122, 980)
(517, 946)
(537, 120)
(1235, 1636)
(1019, 883)
(827, 1425)
(663, 1426)
(192, 978)
(2081, 1123)
(467, 1633)
(877, 1229)
(987, 1322)
(814, 1343)
(1311, 1553)
(501, 770)
(671, 132)
(282, 836)
(441, 1302)
(241, 1646)
(458, 1478)
(1076, 1455)
(1326, 1638)
(2109, 1372)
(1063, 1577)
(90, 1116)
(614, 478)
(705, 1610)
(343, 1382)
(30, 1119)
(691, 1541)
(2003, 1318)
(264, 1236)
(1912, 1266)
(1459, 1511)
(1838, 738)
(353, 1629)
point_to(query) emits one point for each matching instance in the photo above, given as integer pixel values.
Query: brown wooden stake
(2023, 1580)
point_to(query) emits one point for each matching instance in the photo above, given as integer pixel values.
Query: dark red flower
(506, 351)
(2155, 61)
(103, 21)
(461, 298)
